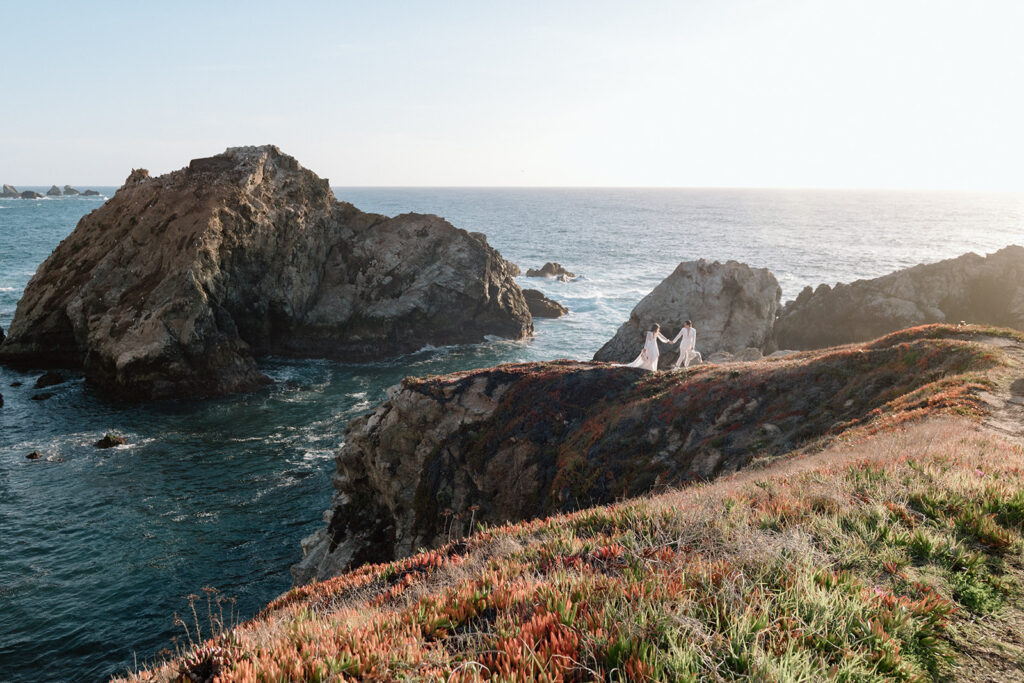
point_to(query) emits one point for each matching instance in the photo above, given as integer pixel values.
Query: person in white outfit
(687, 350)
(648, 358)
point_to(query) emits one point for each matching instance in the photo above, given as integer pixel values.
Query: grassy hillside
(893, 551)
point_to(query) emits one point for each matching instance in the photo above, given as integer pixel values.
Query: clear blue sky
(788, 93)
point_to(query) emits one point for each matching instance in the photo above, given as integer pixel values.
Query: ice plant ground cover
(892, 553)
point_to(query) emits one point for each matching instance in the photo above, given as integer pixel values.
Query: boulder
(34, 455)
(54, 191)
(732, 307)
(49, 379)
(29, 194)
(90, 193)
(175, 285)
(70, 191)
(542, 307)
(10, 192)
(109, 441)
(987, 290)
(549, 269)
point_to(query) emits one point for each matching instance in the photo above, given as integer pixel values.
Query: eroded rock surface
(732, 307)
(521, 441)
(176, 284)
(986, 290)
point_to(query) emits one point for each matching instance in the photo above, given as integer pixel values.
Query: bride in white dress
(648, 358)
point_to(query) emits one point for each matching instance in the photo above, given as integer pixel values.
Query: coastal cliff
(520, 441)
(176, 284)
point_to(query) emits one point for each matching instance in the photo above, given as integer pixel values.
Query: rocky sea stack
(176, 284)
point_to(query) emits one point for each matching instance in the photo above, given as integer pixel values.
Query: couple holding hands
(648, 358)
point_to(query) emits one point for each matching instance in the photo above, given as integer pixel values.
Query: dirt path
(1006, 403)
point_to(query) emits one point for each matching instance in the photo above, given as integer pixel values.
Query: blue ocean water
(100, 548)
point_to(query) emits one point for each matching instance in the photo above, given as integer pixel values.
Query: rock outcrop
(29, 194)
(549, 269)
(70, 191)
(732, 307)
(542, 307)
(971, 288)
(54, 191)
(90, 193)
(176, 284)
(10, 192)
(521, 441)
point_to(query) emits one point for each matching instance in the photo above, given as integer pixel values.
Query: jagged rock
(49, 379)
(176, 284)
(988, 290)
(29, 194)
(10, 192)
(518, 441)
(34, 455)
(542, 307)
(70, 191)
(109, 441)
(550, 269)
(54, 191)
(90, 193)
(732, 307)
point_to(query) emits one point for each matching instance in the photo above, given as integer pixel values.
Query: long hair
(655, 328)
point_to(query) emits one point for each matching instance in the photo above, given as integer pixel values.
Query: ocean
(100, 549)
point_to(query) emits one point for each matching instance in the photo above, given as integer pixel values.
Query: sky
(685, 93)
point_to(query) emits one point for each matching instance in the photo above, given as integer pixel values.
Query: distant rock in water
(54, 191)
(90, 193)
(550, 269)
(10, 192)
(986, 290)
(70, 191)
(34, 455)
(542, 307)
(109, 441)
(176, 284)
(732, 307)
(29, 194)
(49, 379)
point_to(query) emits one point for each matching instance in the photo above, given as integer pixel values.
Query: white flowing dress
(648, 358)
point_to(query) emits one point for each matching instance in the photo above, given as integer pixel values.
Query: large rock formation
(30, 194)
(70, 191)
(54, 191)
(520, 441)
(542, 307)
(732, 307)
(177, 283)
(10, 192)
(971, 288)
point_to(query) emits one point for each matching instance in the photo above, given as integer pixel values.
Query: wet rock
(987, 290)
(16, 383)
(42, 396)
(732, 307)
(54, 191)
(542, 307)
(34, 455)
(109, 441)
(178, 283)
(49, 379)
(550, 269)
(29, 194)
(1, 400)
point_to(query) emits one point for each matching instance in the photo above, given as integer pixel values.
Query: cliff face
(177, 283)
(732, 307)
(987, 290)
(519, 441)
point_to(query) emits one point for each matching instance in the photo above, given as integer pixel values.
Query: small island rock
(10, 192)
(49, 379)
(54, 191)
(542, 307)
(29, 194)
(109, 441)
(70, 191)
(90, 193)
(732, 307)
(549, 269)
(34, 455)
(175, 285)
